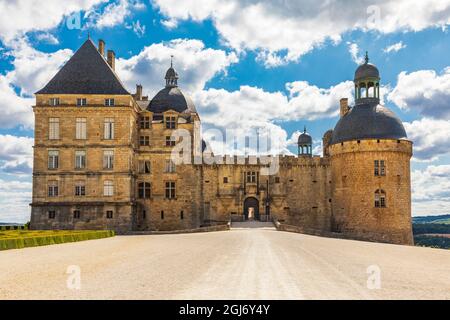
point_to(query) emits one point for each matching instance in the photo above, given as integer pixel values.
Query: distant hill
(10, 224)
(442, 219)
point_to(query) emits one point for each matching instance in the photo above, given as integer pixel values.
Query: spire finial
(304, 129)
(171, 60)
(366, 58)
(89, 35)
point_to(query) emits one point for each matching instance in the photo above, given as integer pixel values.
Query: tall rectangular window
(80, 128)
(80, 159)
(108, 159)
(169, 166)
(81, 102)
(109, 102)
(109, 128)
(76, 214)
(144, 166)
(80, 189)
(170, 190)
(108, 188)
(53, 128)
(109, 214)
(144, 140)
(53, 159)
(144, 190)
(379, 168)
(53, 101)
(170, 141)
(171, 122)
(251, 176)
(53, 189)
(145, 122)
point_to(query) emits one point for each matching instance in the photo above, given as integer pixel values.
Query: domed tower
(370, 166)
(304, 144)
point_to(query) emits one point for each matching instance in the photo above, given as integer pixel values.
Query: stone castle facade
(103, 160)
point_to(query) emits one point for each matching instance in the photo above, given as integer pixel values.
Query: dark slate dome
(368, 120)
(171, 98)
(304, 138)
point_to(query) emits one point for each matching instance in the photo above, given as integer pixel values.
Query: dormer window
(171, 122)
(53, 101)
(109, 102)
(81, 102)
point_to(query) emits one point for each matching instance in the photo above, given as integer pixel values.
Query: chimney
(138, 95)
(112, 59)
(343, 106)
(101, 47)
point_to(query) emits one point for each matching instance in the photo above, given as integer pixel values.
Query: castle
(103, 160)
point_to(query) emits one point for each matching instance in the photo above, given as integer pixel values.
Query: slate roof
(86, 72)
(368, 120)
(171, 98)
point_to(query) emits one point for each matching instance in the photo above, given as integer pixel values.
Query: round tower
(370, 167)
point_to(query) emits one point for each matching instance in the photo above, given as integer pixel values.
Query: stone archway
(251, 208)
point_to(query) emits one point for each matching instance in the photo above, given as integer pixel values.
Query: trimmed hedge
(22, 239)
(4, 228)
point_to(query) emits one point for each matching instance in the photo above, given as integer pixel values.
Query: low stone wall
(221, 227)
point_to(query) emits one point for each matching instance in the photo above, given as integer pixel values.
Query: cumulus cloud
(431, 138)
(423, 91)
(113, 14)
(353, 49)
(16, 154)
(195, 64)
(395, 47)
(15, 197)
(431, 190)
(285, 30)
(17, 17)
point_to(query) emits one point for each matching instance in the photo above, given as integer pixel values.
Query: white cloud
(16, 111)
(15, 197)
(285, 30)
(431, 138)
(431, 190)
(138, 29)
(113, 14)
(18, 17)
(395, 47)
(194, 63)
(16, 154)
(423, 91)
(353, 48)
(46, 37)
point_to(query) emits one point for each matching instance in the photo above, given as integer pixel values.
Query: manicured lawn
(16, 239)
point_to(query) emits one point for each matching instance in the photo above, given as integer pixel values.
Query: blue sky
(274, 64)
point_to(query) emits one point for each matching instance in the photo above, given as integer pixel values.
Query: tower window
(170, 141)
(170, 190)
(80, 159)
(109, 102)
(53, 189)
(109, 214)
(108, 159)
(53, 101)
(380, 199)
(251, 176)
(108, 188)
(277, 179)
(379, 168)
(144, 166)
(144, 140)
(53, 132)
(169, 166)
(81, 102)
(80, 189)
(80, 128)
(53, 159)
(144, 214)
(162, 214)
(51, 214)
(171, 122)
(76, 214)
(225, 179)
(108, 129)
(181, 215)
(145, 122)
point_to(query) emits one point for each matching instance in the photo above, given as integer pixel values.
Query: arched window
(380, 199)
(144, 190)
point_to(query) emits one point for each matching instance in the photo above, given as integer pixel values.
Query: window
(53, 159)
(170, 190)
(80, 189)
(108, 188)
(144, 214)
(380, 199)
(251, 176)
(53, 188)
(144, 140)
(109, 102)
(108, 159)
(171, 122)
(169, 166)
(80, 128)
(144, 190)
(81, 102)
(51, 214)
(145, 122)
(277, 179)
(144, 166)
(53, 101)
(80, 159)
(170, 141)
(162, 214)
(109, 128)
(225, 179)
(379, 168)
(53, 128)
(109, 214)
(76, 214)
(181, 215)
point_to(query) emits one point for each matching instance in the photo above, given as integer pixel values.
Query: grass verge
(16, 239)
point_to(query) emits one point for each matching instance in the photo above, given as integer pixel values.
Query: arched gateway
(251, 209)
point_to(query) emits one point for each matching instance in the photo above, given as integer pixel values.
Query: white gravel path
(244, 263)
